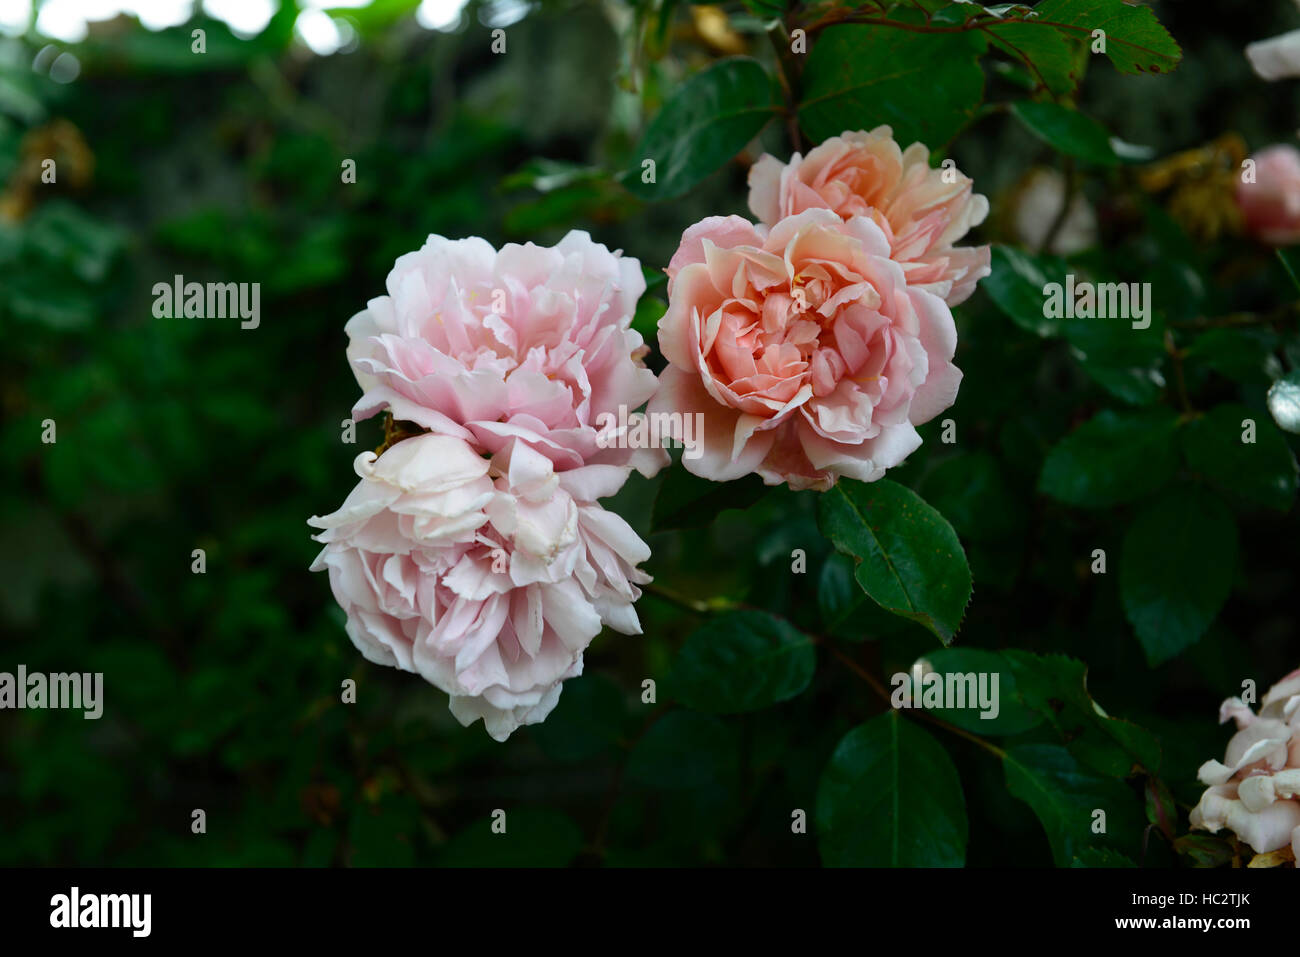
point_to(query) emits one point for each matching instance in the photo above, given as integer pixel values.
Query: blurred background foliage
(223, 689)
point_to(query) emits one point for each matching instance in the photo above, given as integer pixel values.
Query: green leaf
(941, 12)
(649, 310)
(587, 723)
(1067, 131)
(971, 491)
(1045, 52)
(848, 614)
(1101, 857)
(838, 592)
(742, 661)
(1135, 40)
(909, 559)
(65, 236)
(1262, 471)
(1290, 265)
(1112, 458)
(1160, 807)
(1205, 850)
(1056, 686)
(1284, 401)
(1124, 361)
(890, 797)
(1242, 355)
(707, 122)
(1016, 284)
(545, 175)
(1065, 797)
(926, 86)
(685, 751)
(1013, 715)
(685, 500)
(1176, 569)
(386, 833)
(532, 838)
(169, 51)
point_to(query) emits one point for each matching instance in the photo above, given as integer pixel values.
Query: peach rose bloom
(866, 174)
(489, 578)
(1255, 791)
(1270, 206)
(804, 348)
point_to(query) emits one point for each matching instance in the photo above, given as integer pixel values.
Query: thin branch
(788, 75)
(1180, 381)
(884, 695)
(1070, 192)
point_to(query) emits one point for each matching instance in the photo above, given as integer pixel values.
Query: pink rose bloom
(487, 577)
(866, 174)
(1276, 58)
(804, 347)
(530, 343)
(1270, 206)
(1255, 791)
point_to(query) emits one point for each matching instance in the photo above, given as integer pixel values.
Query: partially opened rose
(922, 211)
(529, 342)
(1270, 206)
(1255, 791)
(804, 347)
(489, 578)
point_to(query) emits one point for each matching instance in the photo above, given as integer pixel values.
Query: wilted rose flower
(530, 343)
(921, 210)
(804, 348)
(1270, 206)
(1255, 791)
(488, 577)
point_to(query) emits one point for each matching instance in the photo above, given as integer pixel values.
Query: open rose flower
(527, 343)
(1270, 206)
(804, 347)
(487, 577)
(1255, 791)
(922, 211)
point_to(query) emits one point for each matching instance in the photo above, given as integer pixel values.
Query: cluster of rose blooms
(812, 343)
(1255, 791)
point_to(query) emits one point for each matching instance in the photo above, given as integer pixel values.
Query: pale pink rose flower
(487, 577)
(1276, 58)
(804, 348)
(1270, 206)
(922, 211)
(1255, 791)
(526, 342)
